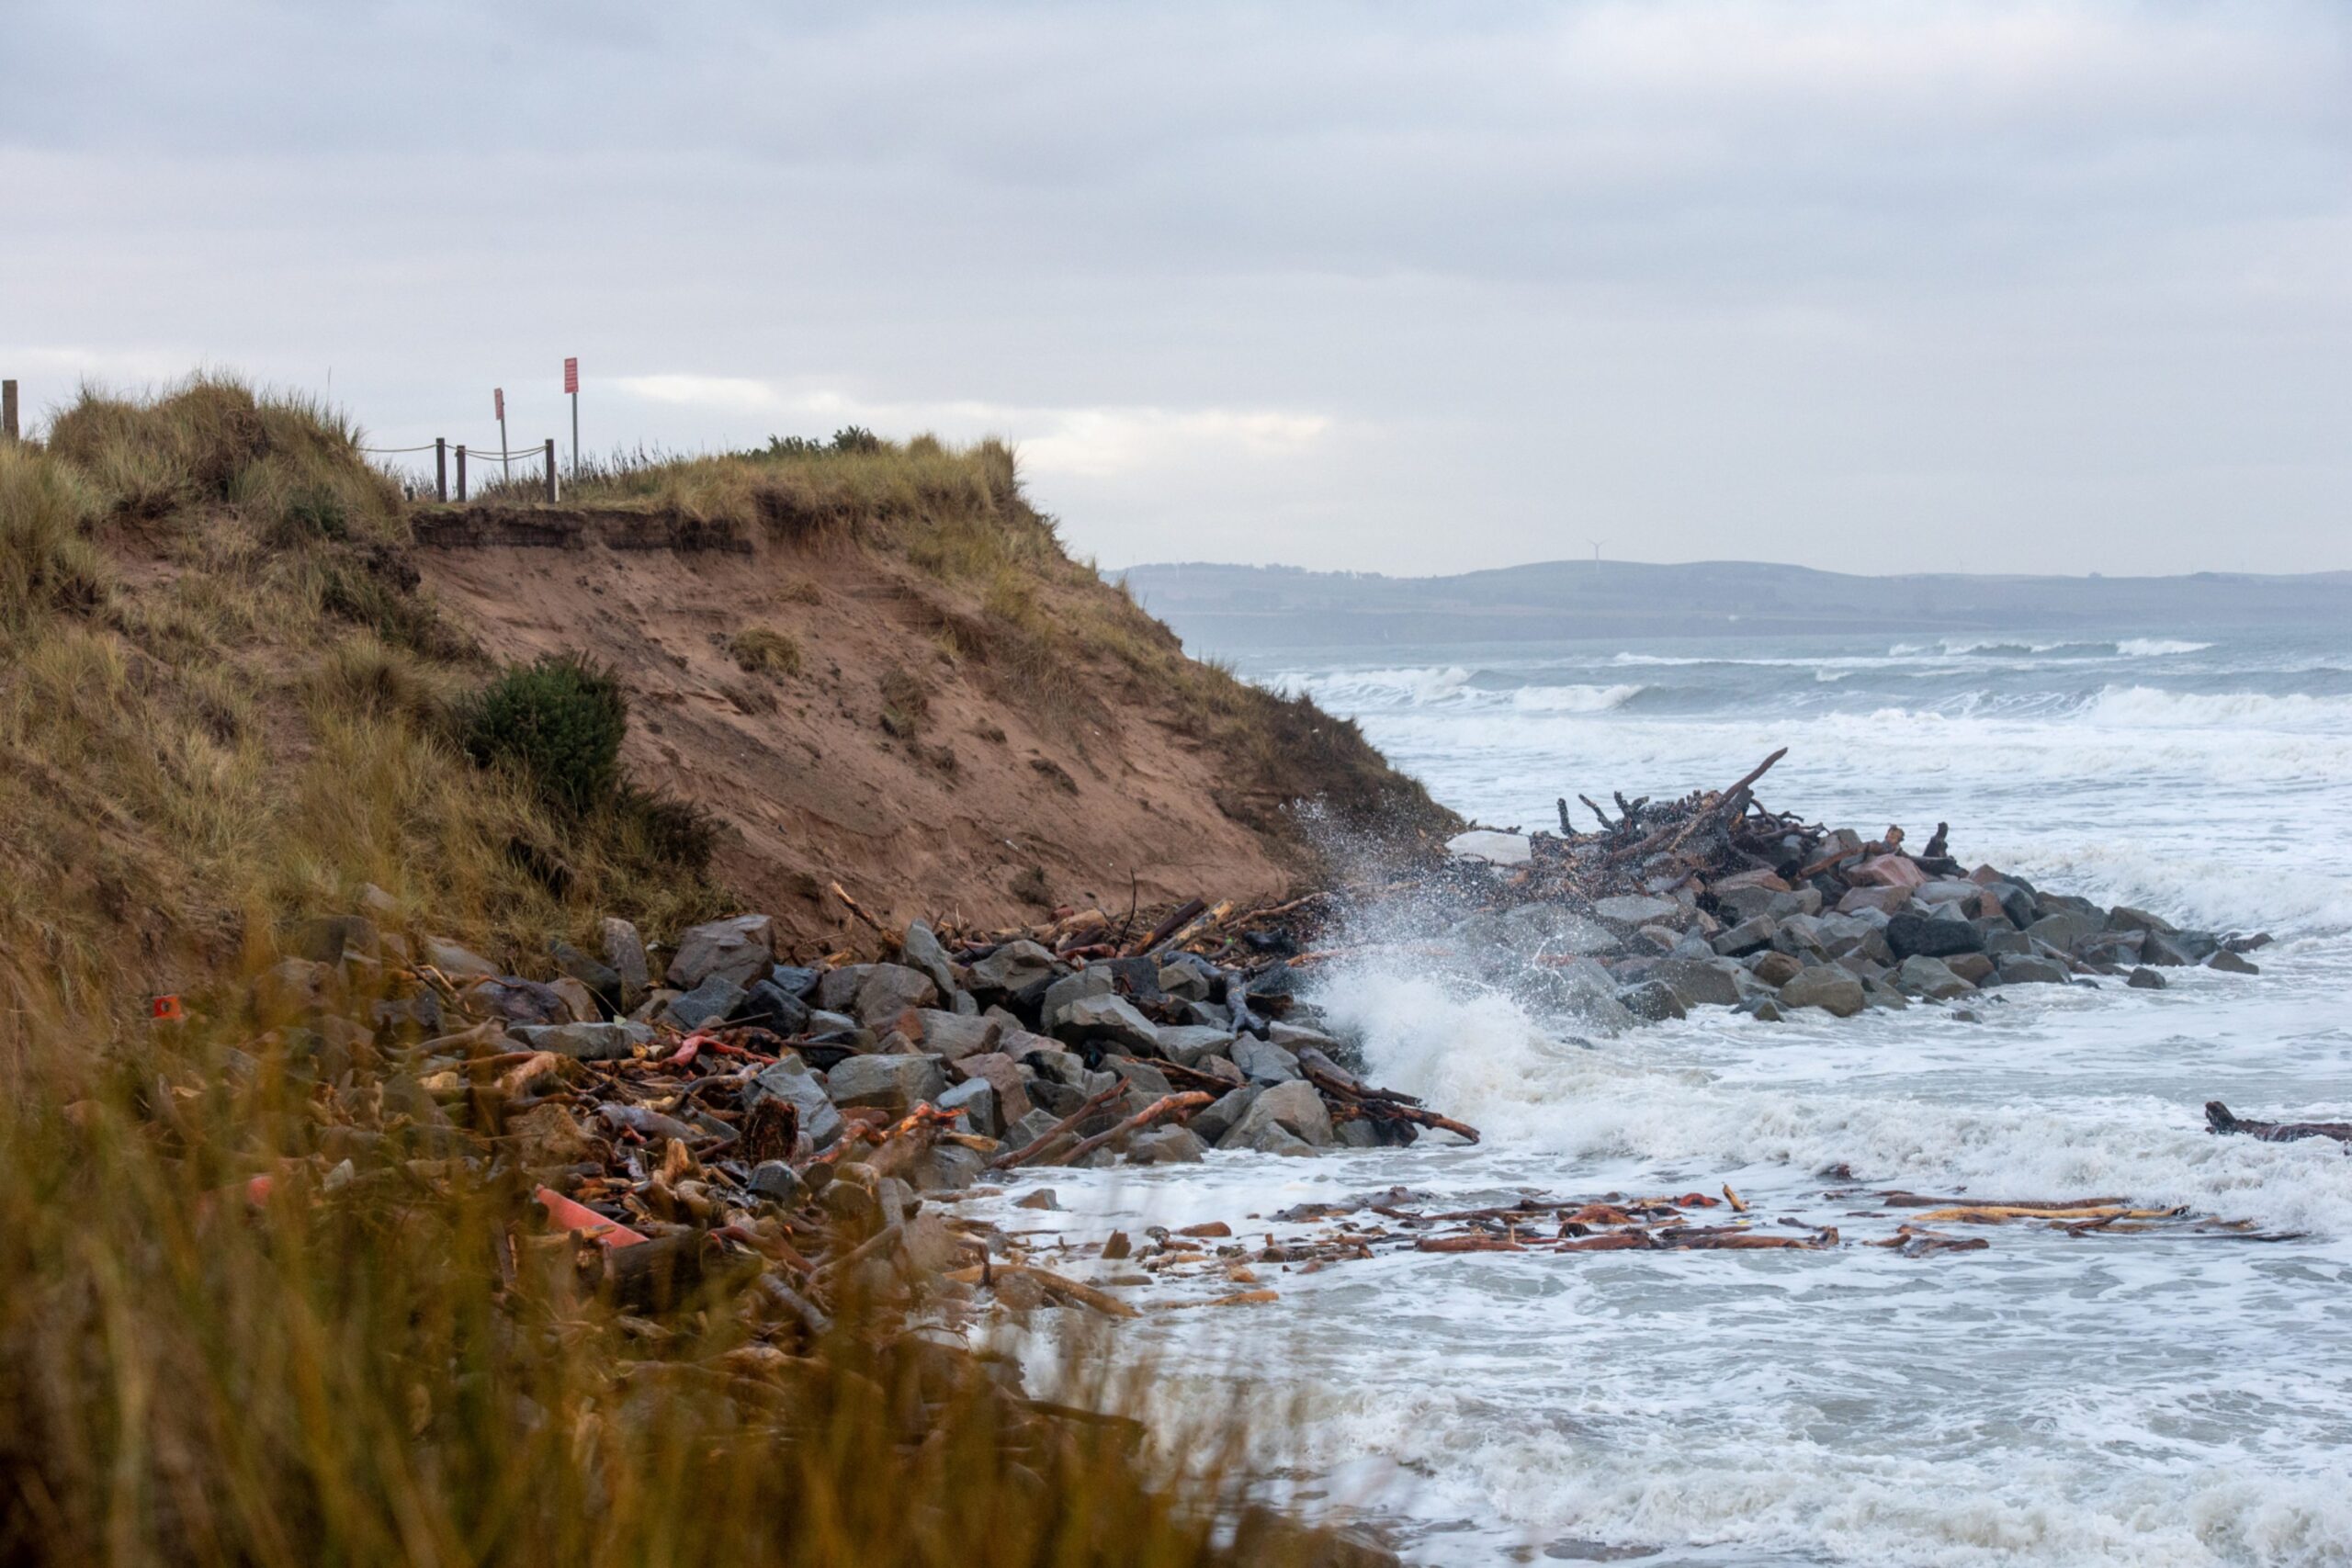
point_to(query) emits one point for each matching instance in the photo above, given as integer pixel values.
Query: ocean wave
(2157, 647)
(1573, 699)
(2155, 706)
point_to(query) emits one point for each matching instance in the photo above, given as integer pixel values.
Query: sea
(2154, 1397)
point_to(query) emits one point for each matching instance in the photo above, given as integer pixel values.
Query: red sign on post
(571, 375)
(498, 403)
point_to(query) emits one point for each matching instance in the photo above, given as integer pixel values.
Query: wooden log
(1030, 1150)
(2219, 1120)
(1186, 913)
(1166, 1104)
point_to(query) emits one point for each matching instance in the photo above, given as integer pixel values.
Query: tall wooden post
(7, 411)
(461, 471)
(551, 461)
(440, 467)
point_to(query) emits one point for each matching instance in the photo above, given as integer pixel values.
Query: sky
(1874, 286)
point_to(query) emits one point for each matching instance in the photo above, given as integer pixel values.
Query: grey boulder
(895, 1083)
(586, 1042)
(740, 949)
(1833, 990)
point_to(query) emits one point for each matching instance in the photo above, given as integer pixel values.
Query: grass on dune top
(224, 701)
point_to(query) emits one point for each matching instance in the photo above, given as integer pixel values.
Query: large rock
(1113, 1019)
(1831, 990)
(976, 1097)
(1015, 967)
(2016, 905)
(791, 1081)
(740, 949)
(613, 1041)
(770, 1006)
(625, 953)
(1887, 871)
(895, 1083)
(1751, 935)
(1213, 1120)
(518, 1001)
(1186, 1045)
(890, 990)
(1141, 1078)
(1776, 969)
(920, 949)
(1263, 1062)
(456, 963)
(797, 980)
(1930, 977)
(2232, 963)
(955, 1036)
(601, 978)
(1070, 988)
(2065, 928)
(1699, 983)
(1166, 1145)
(2165, 948)
(1975, 968)
(712, 1002)
(1292, 1108)
(1652, 999)
(1637, 909)
(837, 988)
(1886, 900)
(1922, 935)
(2145, 979)
(2112, 947)
(2025, 969)
(1003, 1074)
(2124, 918)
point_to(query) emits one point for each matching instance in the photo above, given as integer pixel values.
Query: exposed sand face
(803, 768)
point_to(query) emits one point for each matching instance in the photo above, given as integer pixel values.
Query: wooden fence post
(550, 460)
(440, 467)
(461, 471)
(7, 411)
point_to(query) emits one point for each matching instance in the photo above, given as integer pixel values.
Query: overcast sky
(1874, 285)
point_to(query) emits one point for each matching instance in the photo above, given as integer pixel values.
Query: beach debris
(2219, 1120)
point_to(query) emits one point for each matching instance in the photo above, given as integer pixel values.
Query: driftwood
(1095, 1102)
(1166, 1104)
(1360, 1099)
(2219, 1120)
(1186, 913)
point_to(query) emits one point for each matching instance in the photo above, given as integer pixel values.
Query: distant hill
(1217, 607)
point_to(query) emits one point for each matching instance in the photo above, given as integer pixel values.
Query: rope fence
(543, 454)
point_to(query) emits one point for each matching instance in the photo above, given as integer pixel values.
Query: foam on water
(2054, 1399)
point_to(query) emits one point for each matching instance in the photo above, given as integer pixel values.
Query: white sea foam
(2125, 1399)
(2157, 647)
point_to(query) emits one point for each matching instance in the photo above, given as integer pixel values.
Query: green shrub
(557, 722)
(663, 832)
(856, 438)
(309, 514)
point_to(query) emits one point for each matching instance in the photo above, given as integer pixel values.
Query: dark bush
(557, 722)
(310, 514)
(856, 438)
(671, 834)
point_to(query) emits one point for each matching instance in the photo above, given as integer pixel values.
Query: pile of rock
(1839, 923)
(1038, 1055)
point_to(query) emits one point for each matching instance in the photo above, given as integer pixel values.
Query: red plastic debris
(581, 1220)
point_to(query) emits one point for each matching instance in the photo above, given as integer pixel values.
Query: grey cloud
(1945, 285)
